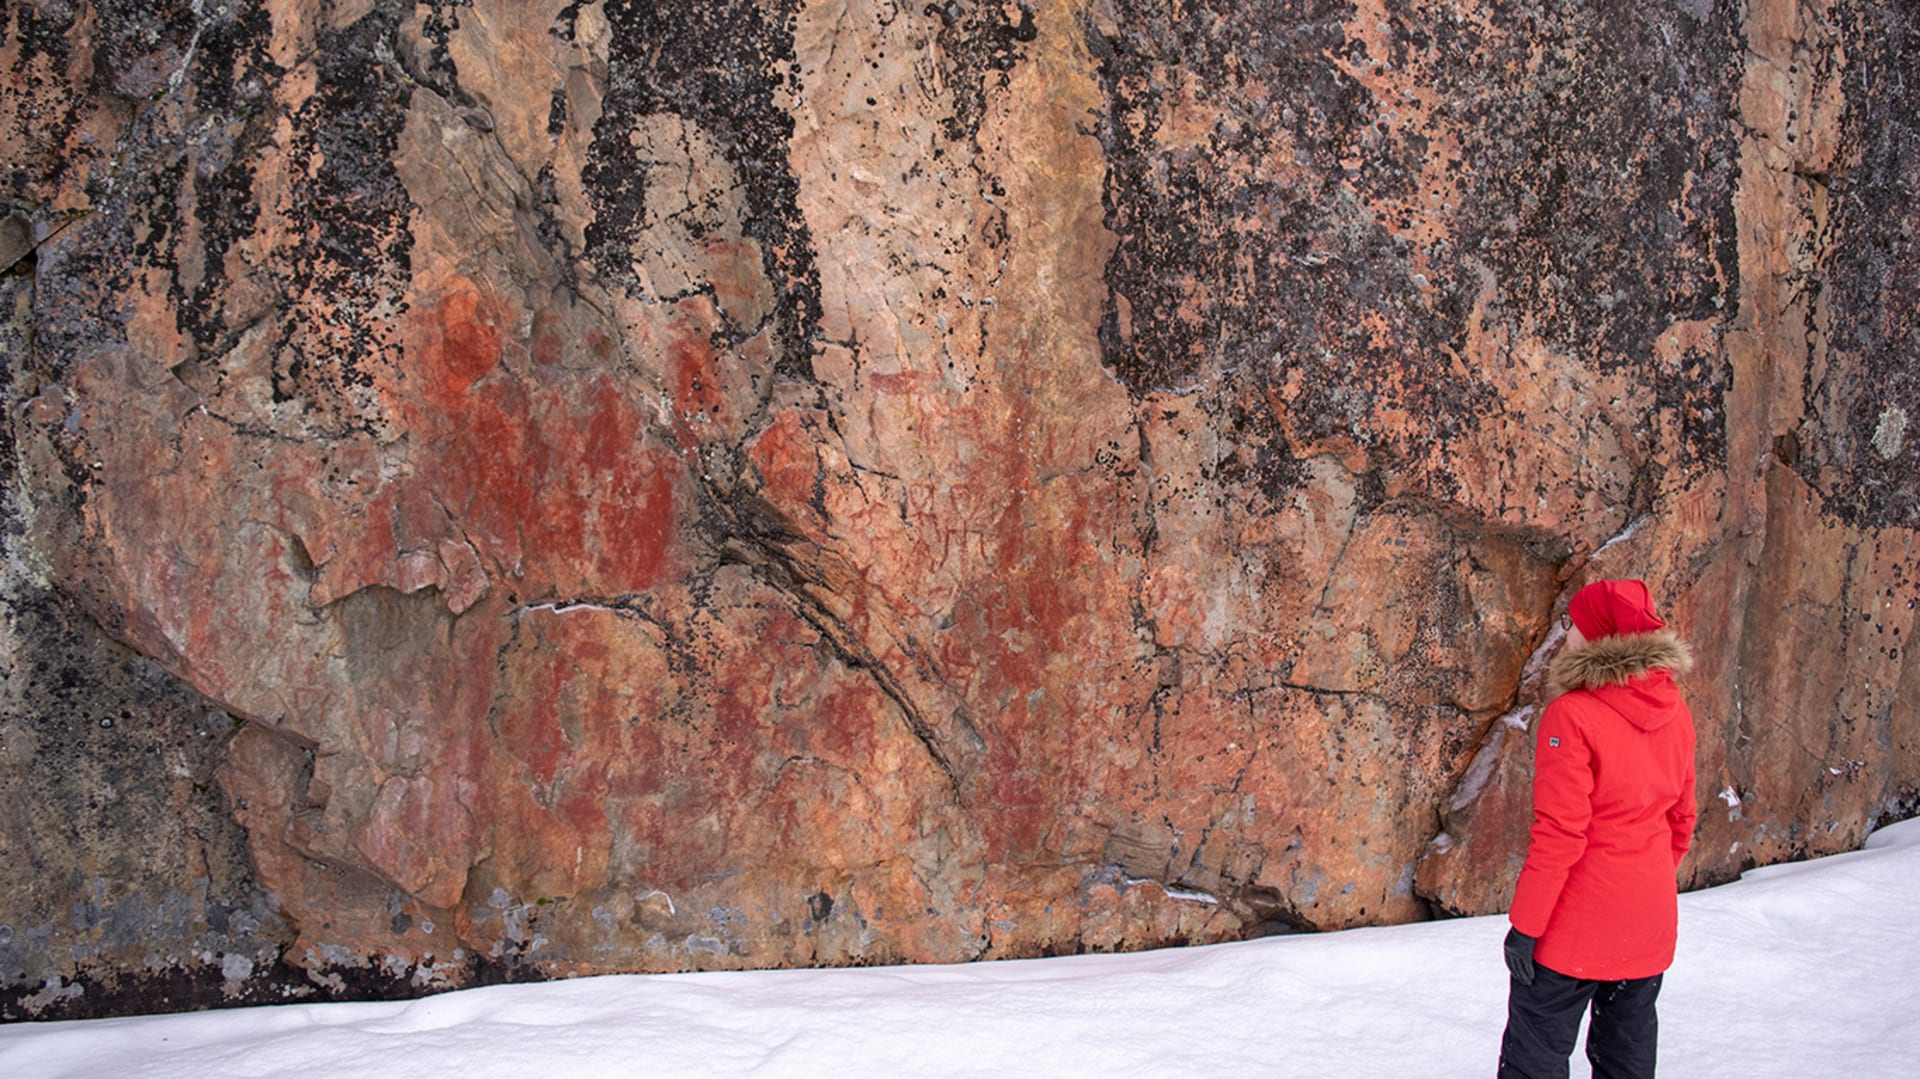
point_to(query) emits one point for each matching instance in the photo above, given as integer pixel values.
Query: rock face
(518, 488)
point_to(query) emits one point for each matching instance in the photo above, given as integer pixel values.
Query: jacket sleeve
(1681, 817)
(1562, 808)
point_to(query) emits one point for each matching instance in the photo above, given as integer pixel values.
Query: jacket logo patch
(1553, 743)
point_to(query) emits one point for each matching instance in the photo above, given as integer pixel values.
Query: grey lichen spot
(52, 991)
(1890, 434)
(332, 955)
(235, 967)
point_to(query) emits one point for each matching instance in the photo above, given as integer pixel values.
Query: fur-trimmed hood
(1617, 660)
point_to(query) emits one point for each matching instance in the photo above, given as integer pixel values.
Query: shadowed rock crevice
(798, 572)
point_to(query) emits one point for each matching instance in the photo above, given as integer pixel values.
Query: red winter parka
(1613, 810)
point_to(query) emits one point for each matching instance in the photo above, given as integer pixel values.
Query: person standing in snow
(1595, 910)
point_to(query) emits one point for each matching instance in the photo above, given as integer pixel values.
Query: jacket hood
(1631, 672)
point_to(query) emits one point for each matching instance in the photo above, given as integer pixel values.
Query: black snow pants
(1543, 1019)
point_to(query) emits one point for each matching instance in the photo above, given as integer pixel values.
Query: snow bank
(1793, 971)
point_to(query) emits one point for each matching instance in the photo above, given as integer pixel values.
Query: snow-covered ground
(1795, 971)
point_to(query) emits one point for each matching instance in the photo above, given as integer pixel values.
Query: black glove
(1519, 948)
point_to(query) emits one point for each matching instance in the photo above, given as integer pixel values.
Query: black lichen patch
(42, 109)
(140, 45)
(721, 66)
(1320, 211)
(1860, 442)
(438, 20)
(1244, 250)
(42, 30)
(1596, 170)
(347, 275)
(232, 80)
(977, 42)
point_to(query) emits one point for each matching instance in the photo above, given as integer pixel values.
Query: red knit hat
(1604, 608)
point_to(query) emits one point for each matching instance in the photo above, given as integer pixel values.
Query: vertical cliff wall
(520, 488)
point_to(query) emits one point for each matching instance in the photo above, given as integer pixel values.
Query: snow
(1624, 535)
(1795, 970)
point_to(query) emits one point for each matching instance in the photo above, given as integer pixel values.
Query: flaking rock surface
(518, 488)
